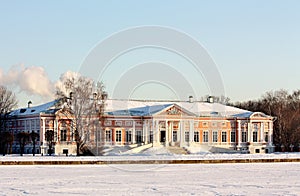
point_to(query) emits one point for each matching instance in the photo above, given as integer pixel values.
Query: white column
(167, 134)
(191, 122)
(262, 131)
(239, 128)
(270, 132)
(43, 150)
(133, 132)
(249, 132)
(172, 131)
(55, 126)
(181, 131)
(157, 130)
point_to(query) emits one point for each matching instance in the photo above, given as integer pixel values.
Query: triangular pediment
(174, 110)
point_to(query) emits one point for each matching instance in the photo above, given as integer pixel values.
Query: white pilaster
(239, 133)
(191, 123)
(167, 133)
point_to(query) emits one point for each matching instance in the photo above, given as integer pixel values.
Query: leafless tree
(286, 108)
(24, 139)
(8, 102)
(33, 137)
(83, 100)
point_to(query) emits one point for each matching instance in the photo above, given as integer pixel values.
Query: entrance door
(162, 136)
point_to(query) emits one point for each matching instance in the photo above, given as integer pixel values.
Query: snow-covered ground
(156, 153)
(189, 179)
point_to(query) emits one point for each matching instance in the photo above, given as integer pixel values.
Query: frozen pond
(187, 179)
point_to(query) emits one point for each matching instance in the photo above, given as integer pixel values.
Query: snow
(155, 153)
(190, 179)
(198, 108)
(47, 107)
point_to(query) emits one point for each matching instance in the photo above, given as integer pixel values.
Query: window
(63, 135)
(108, 135)
(254, 136)
(107, 123)
(128, 137)
(205, 136)
(118, 123)
(186, 136)
(128, 123)
(224, 136)
(139, 136)
(174, 136)
(204, 124)
(196, 136)
(215, 136)
(232, 136)
(266, 136)
(118, 135)
(223, 124)
(244, 136)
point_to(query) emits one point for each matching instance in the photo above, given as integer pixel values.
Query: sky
(254, 45)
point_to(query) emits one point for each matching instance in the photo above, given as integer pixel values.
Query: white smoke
(32, 80)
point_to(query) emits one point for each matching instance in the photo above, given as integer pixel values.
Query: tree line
(285, 107)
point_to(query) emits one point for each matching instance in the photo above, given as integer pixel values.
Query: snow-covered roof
(140, 111)
(44, 108)
(198, 108)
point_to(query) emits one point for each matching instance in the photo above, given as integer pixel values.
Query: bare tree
(24, 139)
(84, 102)
(286, 108)
(49, 136)
(8, 102)
(34, 136)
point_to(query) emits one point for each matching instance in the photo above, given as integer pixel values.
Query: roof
(44, 108)
(140, 111)
(197, 108)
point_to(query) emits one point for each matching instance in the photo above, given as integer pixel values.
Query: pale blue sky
(255, 44)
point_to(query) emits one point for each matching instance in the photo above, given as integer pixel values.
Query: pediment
(174, 110)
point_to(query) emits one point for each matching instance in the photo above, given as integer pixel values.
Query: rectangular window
(118, 135)
(266, 136)
(232, 136)
(139, 137)
(224, 136)
(196, 136)
(107, 123)
(108, 135)
(128, 123)
(186, 136)
(255, 136)
(63, 135)
(205, 136)
(244, 136)
(118, 123)
(128, 136)
(215, 136)
(174, 136)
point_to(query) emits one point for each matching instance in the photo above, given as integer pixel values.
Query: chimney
(29, 104)
(191, 99)
(210, 99)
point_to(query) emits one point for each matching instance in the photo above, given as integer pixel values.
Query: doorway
(162, 136)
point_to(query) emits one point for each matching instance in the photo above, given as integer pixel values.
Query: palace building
(207, 125)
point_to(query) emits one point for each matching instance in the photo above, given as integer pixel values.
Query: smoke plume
(32, 80)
